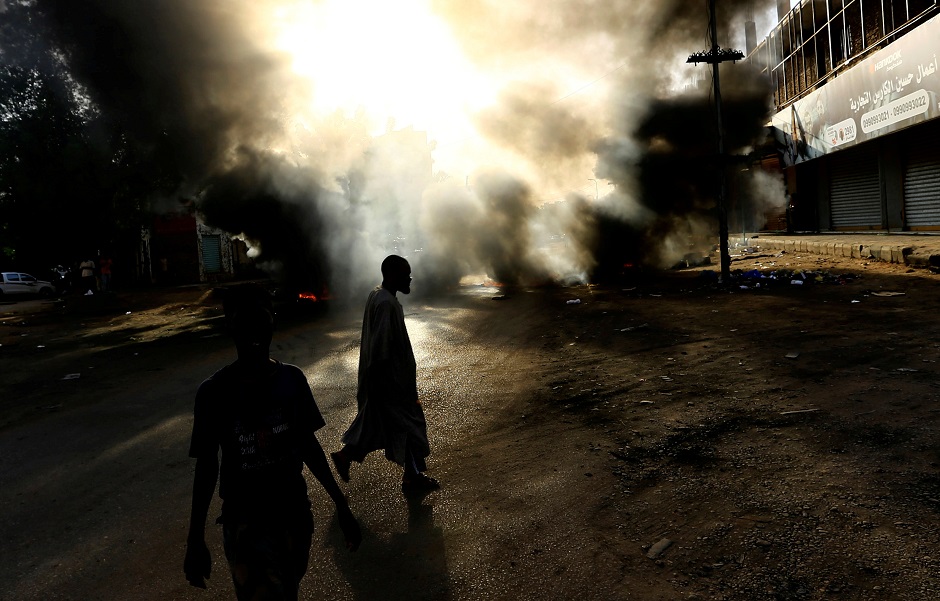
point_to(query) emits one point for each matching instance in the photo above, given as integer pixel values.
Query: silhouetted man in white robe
(389, 415)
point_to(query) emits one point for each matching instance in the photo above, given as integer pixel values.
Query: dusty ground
(660, 439)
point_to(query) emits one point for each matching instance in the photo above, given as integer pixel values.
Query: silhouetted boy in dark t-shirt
(262, 416)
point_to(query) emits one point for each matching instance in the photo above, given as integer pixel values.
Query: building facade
(857, 93)
(179, 249)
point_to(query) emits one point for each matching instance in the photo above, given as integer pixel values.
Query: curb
(889, 253)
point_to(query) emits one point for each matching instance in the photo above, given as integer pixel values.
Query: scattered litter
(40, 346)
(856, 301)
(631, 328)
(798, 411)
(72, 376)
(646, 402)
(500, 297)
(788, 276)
(905, 369)
(887, 294)
(128, 313)
(792, 355)
(575, 301)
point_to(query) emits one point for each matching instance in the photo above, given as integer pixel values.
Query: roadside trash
(128, 313)
(905, 369)
(856, 301)
(792, 355)
(40, 346)
(798, 411)
(72, 376)
(575, 301)
(646, 402)
(500, 297)
(794, 277)
(887, 294)
(89, 293)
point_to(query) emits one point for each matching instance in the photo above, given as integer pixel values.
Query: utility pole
(715, 56)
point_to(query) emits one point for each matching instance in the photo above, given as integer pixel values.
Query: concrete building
(856, 87)
(180, 249)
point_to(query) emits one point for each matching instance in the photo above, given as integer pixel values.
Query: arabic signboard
(894, 88)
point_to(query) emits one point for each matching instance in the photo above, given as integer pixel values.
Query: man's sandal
(419, 482)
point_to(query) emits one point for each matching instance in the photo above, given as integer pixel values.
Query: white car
(14, 283)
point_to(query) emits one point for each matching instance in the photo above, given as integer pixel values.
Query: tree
(71, 183)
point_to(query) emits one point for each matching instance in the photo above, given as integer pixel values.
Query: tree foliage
(71, 184)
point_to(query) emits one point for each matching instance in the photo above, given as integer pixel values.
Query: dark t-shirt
(262, 426)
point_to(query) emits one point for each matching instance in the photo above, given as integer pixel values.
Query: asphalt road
(95, 491)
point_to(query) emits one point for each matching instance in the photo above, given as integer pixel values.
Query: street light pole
(715, 56)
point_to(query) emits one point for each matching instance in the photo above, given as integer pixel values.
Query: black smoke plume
(192, 87)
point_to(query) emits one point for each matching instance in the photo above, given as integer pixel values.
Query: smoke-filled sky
(279, 103)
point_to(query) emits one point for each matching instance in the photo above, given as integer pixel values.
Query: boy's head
(250, 317)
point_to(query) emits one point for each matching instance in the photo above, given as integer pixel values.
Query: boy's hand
(198, 563)
(349, 526)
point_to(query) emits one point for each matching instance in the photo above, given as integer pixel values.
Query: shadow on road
(403, 565)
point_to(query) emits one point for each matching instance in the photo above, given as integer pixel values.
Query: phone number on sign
(894, 112)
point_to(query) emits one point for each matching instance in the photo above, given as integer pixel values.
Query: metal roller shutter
(922, 182)
(212, 254)
(855, 189)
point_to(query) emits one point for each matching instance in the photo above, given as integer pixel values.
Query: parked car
(14, 283)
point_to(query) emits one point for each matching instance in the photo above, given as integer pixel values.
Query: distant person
(61, 278)
(89, 284)
(261, 414)
(389, 415)
(104, 270)
(164, 271)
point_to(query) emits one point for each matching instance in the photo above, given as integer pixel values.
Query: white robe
(389, 416)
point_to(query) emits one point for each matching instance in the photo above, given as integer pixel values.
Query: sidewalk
(912, 249)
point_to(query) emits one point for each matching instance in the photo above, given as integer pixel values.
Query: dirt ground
(664, 438)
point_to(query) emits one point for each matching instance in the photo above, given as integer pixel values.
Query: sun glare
(395, 60)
